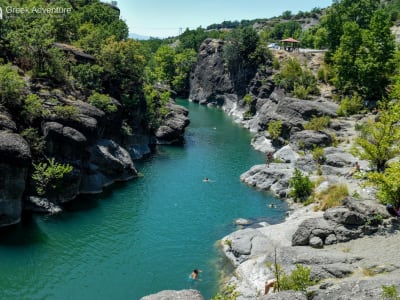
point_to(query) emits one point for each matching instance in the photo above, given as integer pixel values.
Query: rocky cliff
(85, 137)
(210, 81)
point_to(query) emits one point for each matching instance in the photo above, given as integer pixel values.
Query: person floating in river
(194, 274)
(206, 179)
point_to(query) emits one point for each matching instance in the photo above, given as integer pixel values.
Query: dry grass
(331, 197)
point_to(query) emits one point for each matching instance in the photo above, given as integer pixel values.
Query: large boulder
(15, 157)
(291, 111)
(108, 162)
(173, 125)
(308, 139)
(6, 122)
(274, 178)
(175, 295)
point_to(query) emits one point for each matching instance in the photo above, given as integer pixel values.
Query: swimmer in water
(206, 179)
(194, 274)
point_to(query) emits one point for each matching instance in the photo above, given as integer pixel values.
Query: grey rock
(173, 125)
(316, 242)
(15, 158)
(342, 215)
(367, 208)
(285, 295)
(331, 239)
(287, 154)
(14, 150)
(306, 164)
(209, 78)
(291, 111)
(337, 157)
(274, 178)
(109, 162)
(312, 227)
(175, 295)
(261, 143)
(63, 141)
(6, 122)
(41, 205)
(309, 139)
(356, 289)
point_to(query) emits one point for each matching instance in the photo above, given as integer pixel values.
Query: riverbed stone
(175, 295)
(316, 242)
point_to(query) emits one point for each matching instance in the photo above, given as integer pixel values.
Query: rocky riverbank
(331, 242)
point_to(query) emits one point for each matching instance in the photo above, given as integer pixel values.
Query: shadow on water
(87, 202)
(25, 233)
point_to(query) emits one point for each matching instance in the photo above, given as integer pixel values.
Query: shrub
(301, 185)
(323, 74)
(247, 99)
(102, 102)
(332, 197)
(300, 91)
(47, 176)
(66, 111)
(390, 292)
(318, 154)
(88, 75)
(33, 108)
(11, 85)
(317, 123)
(228, 293)
(298, 280)
(350, 106)
(35, 141)
(275, 129)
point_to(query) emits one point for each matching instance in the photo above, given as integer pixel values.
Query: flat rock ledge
(175, 295)
(338, 268)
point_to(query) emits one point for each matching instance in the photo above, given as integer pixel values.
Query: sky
(163, 18)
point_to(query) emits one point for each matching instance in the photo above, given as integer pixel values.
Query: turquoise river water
(146, 235)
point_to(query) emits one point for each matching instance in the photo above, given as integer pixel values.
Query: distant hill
(138, 36)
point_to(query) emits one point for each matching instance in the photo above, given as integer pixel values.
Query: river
(146, 235)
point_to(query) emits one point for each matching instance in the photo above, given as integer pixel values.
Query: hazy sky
(163, 18)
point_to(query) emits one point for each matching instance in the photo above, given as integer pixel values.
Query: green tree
(239, 49)
(346, 73)
(123, 63)
(379, 141)
(183, 62)
(164, 64)
(388, 184)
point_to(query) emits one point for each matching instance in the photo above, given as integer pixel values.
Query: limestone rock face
(108, 162)
(15, 158)
(209, 78)
(175, 295)
(173, 125)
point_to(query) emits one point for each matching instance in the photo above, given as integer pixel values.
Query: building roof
(290, 40)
